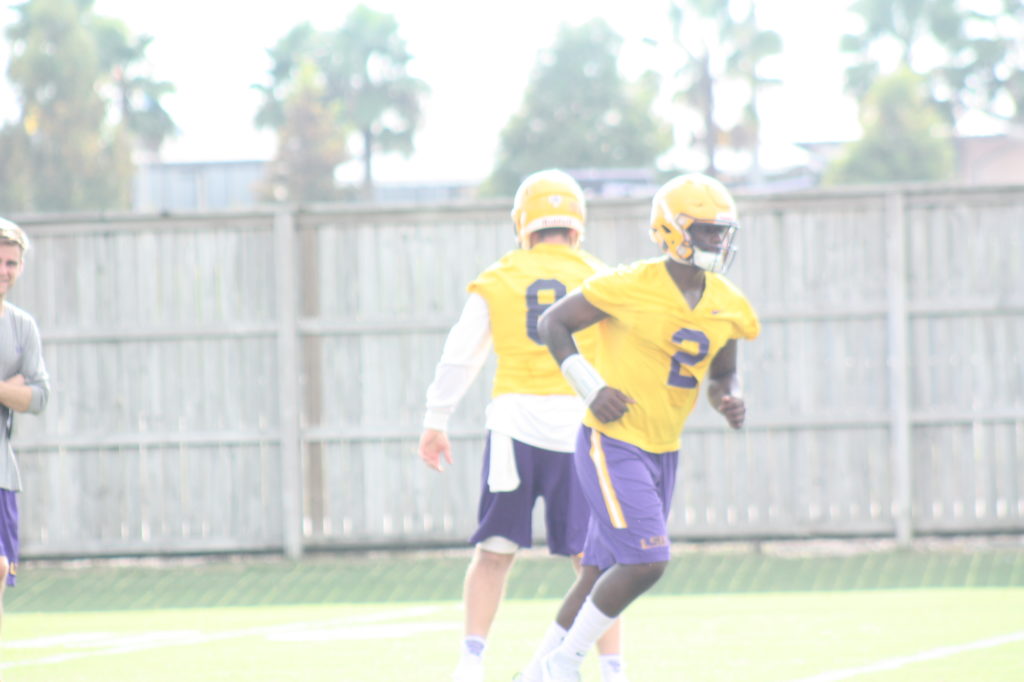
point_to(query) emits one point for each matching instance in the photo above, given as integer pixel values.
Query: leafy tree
(16, 185)
(310, 144)
(724, 44)
(54, 68)
(578, 112)
(905, 137)
(970, 58)
(365, 82)
(64, 153)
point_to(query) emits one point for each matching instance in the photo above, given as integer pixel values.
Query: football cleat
(693, 221)
(469, 670)
(546, 199)
(549, 675)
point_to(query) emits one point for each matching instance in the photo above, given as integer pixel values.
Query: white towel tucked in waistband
(503, 475)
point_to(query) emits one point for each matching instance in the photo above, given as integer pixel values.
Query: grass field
(947, 613)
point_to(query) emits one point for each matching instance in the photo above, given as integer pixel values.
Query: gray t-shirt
(21, 352)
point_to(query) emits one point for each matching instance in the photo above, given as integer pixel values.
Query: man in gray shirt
(24, 387)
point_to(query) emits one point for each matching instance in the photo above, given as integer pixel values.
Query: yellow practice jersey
(518, 289)
(657, 350)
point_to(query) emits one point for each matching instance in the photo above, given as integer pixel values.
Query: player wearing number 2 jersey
(666, 325)
(668, 358)
(534, 413)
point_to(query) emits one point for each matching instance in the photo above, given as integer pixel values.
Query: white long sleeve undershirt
(546, 421)
(465, 352)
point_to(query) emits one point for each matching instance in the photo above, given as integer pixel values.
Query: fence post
(899, 399)
(288, 383)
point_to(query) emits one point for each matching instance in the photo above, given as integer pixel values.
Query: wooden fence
(255, 382)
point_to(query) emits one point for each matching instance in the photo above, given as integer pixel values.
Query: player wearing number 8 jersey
(665, 326)
(534, 413)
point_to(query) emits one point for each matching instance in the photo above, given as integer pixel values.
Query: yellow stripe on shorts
(611, 500)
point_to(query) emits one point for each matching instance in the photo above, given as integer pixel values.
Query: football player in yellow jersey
(534, 413)
(666, 324)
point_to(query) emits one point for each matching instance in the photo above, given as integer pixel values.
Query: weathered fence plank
(254, 381)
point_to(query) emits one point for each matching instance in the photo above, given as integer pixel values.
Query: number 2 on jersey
(540, 296)
(680, 359)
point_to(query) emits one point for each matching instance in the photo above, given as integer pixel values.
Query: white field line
(902, 661)
(193, 637)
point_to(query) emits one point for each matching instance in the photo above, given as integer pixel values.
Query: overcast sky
(476, 56)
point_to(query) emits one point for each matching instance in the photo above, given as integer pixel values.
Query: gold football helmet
(693, 220)
(546, 199)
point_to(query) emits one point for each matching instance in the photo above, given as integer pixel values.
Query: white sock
(473, 647)
(588, 627)
(552, 638)
(612, 667)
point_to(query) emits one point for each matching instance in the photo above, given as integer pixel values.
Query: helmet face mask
(711, 243)
(548, 199)
(693, 220)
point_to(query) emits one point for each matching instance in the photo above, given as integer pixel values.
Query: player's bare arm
(433, 445)
(16, 394)
(724, 389)
(556, 327)
(566, 317)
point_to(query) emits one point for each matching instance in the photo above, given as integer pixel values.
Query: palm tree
(287, 56)
(721, 48)
(901, 22)
(138, 95)
(365, 69)
(752, 44)
(700, 93)
(981, 50)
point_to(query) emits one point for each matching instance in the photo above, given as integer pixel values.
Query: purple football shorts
(9, 531)
(542, 473)
(629, 492)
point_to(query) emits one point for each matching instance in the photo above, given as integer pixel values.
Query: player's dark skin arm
(724, 390)
(556, 327)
